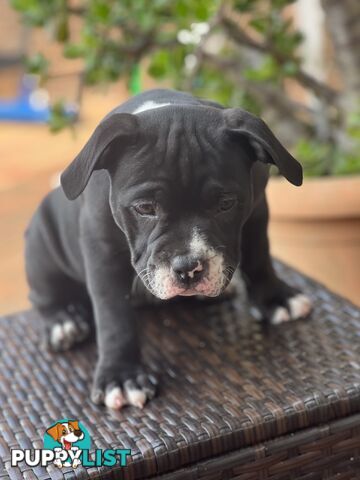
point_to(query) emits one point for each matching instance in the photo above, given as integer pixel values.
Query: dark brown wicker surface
(237, 400)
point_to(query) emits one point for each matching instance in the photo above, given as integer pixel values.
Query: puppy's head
(181, 189)
(66, 432)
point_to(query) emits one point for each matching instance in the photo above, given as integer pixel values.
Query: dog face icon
(66, 433)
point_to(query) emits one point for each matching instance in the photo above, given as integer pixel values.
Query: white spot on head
(149, 105)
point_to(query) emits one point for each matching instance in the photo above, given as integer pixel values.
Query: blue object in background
(31, 104)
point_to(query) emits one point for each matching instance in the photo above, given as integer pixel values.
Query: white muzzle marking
(164, 285)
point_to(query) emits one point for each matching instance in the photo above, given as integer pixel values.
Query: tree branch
(274, 99)
(76, 10)
(239, 36)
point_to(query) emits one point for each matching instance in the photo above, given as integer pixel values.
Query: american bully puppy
(170, 191)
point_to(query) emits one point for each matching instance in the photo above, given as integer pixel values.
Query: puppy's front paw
(279, 303)
(296, 307)
(115, 389)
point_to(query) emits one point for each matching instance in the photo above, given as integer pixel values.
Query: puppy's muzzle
(188, 270)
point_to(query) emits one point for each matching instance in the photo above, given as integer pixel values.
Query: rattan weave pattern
(227, 384)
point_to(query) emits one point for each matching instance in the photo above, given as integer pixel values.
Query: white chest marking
(150, 105)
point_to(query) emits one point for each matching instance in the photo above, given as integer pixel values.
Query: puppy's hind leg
(66, 315)
(275, 300)
(63, 303)
(66, 326)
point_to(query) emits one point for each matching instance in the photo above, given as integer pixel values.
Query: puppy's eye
(146, 209)
(226, 203)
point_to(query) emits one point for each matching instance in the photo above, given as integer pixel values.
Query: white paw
(114, 398)
(58, 337)
(280, 315)
(300, 306)
(132, 392)
(134, 395)
(63, 335)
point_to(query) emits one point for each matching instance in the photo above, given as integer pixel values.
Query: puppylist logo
(67, 443)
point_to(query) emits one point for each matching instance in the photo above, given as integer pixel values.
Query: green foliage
(317, 158)
(160, 63)
(38, 65)
(268, 70)
(244, 6)
(320, 159)
(60, 118)
(116, 35)
(208, 84)
(347, 163)
(353, 125)
(38, 12)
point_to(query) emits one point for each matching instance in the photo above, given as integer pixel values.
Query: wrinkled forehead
(182, 147)
(182, 118)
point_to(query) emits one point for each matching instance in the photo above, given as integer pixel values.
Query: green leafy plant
(237, 52)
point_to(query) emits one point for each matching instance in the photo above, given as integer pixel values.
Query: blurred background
(65, 63)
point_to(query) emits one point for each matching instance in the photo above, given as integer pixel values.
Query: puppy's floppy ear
(118, 129)
(265, 144)
(75, 424)
(54, 431)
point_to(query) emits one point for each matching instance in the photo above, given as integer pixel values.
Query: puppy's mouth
(67, 445)
(161, 283)
(188, 293)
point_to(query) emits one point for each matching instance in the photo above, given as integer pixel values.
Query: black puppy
(169, 189)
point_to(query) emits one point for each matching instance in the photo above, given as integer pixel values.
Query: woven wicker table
(238, 400)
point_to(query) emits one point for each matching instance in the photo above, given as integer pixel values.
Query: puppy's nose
(187, 269)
